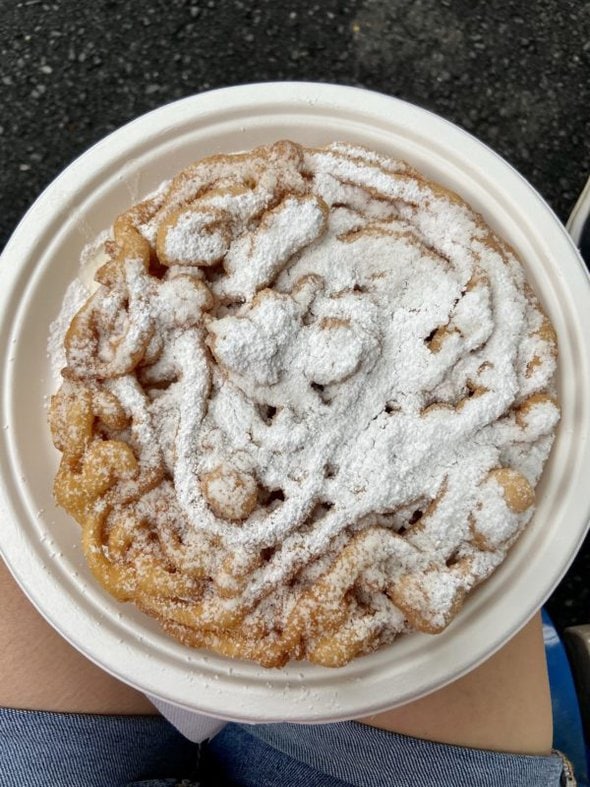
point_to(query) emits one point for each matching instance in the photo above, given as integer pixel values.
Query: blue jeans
(349, 753)
(42, 749)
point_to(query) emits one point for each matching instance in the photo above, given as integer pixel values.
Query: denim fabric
(43, 749)
(348, 753)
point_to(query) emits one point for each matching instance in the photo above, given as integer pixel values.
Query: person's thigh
(64, 721)
(502, 705)
(40, 670)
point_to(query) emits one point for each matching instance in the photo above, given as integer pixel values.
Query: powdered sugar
(363, 364)
(255, 259)
(191, 241)
(78, 292)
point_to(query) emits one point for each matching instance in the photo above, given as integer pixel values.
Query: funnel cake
(307, 406)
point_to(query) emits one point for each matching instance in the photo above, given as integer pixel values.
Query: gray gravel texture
(514, 74)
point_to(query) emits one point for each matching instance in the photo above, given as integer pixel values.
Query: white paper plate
(41, 544)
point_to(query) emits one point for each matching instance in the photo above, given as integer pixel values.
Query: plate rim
(307, 97)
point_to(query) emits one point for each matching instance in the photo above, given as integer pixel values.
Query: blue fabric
(349, 753)
(568, 733)
(44, 749)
